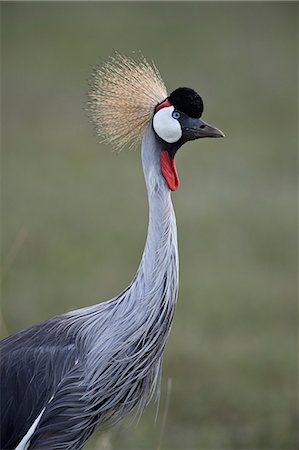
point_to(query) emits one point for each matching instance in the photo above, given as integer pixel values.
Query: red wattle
(169, 171)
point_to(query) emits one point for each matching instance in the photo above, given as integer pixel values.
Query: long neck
(157, 275)
(126, 336)
(160, 257)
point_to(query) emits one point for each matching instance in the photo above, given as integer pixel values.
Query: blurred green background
(75, 214)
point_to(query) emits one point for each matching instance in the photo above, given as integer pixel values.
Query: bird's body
(87, 369)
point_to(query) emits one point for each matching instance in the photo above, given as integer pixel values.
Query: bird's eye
(176, 115)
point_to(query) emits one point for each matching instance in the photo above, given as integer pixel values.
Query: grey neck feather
(123, 339)
(160, 253)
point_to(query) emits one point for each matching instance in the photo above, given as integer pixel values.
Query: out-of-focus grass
(82, 210)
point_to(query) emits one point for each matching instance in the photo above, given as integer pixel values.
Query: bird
(85, 370)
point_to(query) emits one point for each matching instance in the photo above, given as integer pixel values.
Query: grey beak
(206, 130)
(200, 129)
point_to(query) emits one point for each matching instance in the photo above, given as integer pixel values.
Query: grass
(75, 214)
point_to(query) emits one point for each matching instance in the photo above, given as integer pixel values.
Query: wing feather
(33, 363)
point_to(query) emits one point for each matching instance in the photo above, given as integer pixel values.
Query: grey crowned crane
(65, 378)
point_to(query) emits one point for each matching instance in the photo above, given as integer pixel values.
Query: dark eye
(176, 115)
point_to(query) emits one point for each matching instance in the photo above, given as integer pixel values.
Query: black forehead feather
(187, 101)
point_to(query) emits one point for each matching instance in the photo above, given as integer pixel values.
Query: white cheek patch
(166, 127)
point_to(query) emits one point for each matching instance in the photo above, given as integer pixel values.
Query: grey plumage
(87, 369)
(113, 349)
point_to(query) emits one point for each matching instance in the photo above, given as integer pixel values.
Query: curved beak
(197, 129)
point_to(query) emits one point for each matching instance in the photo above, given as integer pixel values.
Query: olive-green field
(75, 213)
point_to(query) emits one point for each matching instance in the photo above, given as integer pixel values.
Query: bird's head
(128, 94)
(177, 120)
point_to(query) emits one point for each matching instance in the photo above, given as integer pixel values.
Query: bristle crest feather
(123, 95)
